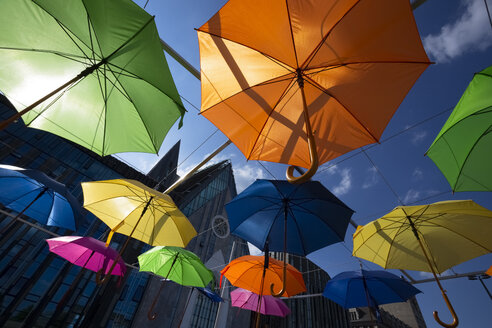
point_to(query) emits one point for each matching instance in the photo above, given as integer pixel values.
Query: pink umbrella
(270, 305)
(88, 253)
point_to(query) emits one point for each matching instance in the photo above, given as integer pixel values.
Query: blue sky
(458, 37)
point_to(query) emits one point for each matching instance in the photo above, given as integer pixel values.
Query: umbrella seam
(291, 32)
(319, 87)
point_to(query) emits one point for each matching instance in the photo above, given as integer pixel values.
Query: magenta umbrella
(88, 253)
(270, 305)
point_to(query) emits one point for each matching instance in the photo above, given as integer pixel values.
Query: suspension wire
(325, 168)
(264, 167)
(146, 4)
(383, 177)
(488, 12)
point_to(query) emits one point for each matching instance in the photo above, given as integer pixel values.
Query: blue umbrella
(36, 195)
(368, 288)
(293, 218)
(214, 297)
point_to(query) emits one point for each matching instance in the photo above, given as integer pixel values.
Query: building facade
(309, 312)
(40, 289)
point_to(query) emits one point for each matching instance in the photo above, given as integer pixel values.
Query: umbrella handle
(451, 309)
(151, 315)
(284, 283)
(99, 273)
(313, 154)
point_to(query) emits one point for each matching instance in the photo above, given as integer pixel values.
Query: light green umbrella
(91, 71)
(462, 150)
(176, 264)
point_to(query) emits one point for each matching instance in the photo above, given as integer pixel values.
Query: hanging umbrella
(248, 300)
(254, 274)
(489, 271)
(214, 297)
(88, 253)
(297, 219)
(431, 238)
(92, 72)
(176, 264)
(36, 195)
(363, 288)
(133, 209)
(302, 83)
(462, 149)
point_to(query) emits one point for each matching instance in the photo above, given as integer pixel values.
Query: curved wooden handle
(105, 279)
(451, 309)
(313, 154)
(284, 284)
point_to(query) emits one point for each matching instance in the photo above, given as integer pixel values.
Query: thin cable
(325, 168)
(274, 178)
(384, 179)
(146, 4)
(488, 12)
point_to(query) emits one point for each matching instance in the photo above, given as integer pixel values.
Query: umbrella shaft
(11, 223)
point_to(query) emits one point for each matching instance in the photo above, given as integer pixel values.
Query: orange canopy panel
(489, 271)
(357, 58)
(246, 272)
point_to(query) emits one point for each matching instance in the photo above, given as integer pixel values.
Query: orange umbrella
(489, 271)
(302, 82)
(248, 271)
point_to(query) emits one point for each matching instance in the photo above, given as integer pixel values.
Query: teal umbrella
(91, 71)
(462, 150)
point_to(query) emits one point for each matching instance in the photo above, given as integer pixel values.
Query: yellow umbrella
(133, 209)
(430, 238)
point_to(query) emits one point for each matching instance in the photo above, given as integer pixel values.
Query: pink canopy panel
(270, 305)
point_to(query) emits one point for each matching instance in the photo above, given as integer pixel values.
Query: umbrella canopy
(36, 195)
(92, 71)
(451, 231)
(368, 288)
(462, 149)
(297, 81)
(176, 264)
(214, 297)
(489, 271)
(430, 238)
(133, 209)
(248, 300)
(246, 272)
(313, 216)
(88, 253)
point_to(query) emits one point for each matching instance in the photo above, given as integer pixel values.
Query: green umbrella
(176, 264)
(462, 148)
(91, 71)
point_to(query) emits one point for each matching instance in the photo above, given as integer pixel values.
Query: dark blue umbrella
(214, 297)
(315, 217)
(34, 194)
(368, 288)
(293, 218)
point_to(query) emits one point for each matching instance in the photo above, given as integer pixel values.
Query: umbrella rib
(469, 152)
(101, 89)
(271, 81)
(316, 85)
(325, 67)
(403, 225)
(299, 230)
(130, 74)
(125, 93)
(291, 32)
(65, 29)
(323, 221)
(318, 47)
(61, 54)
(284, 93)
(273, 59)
(461, 235)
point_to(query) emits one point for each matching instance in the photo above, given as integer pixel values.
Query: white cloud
(426, 275)
(470, 32)
(371, 178)
(411, 196)
(345, 183)
(246, 175)
(418, 137)
(417, 174)
(253, 250)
